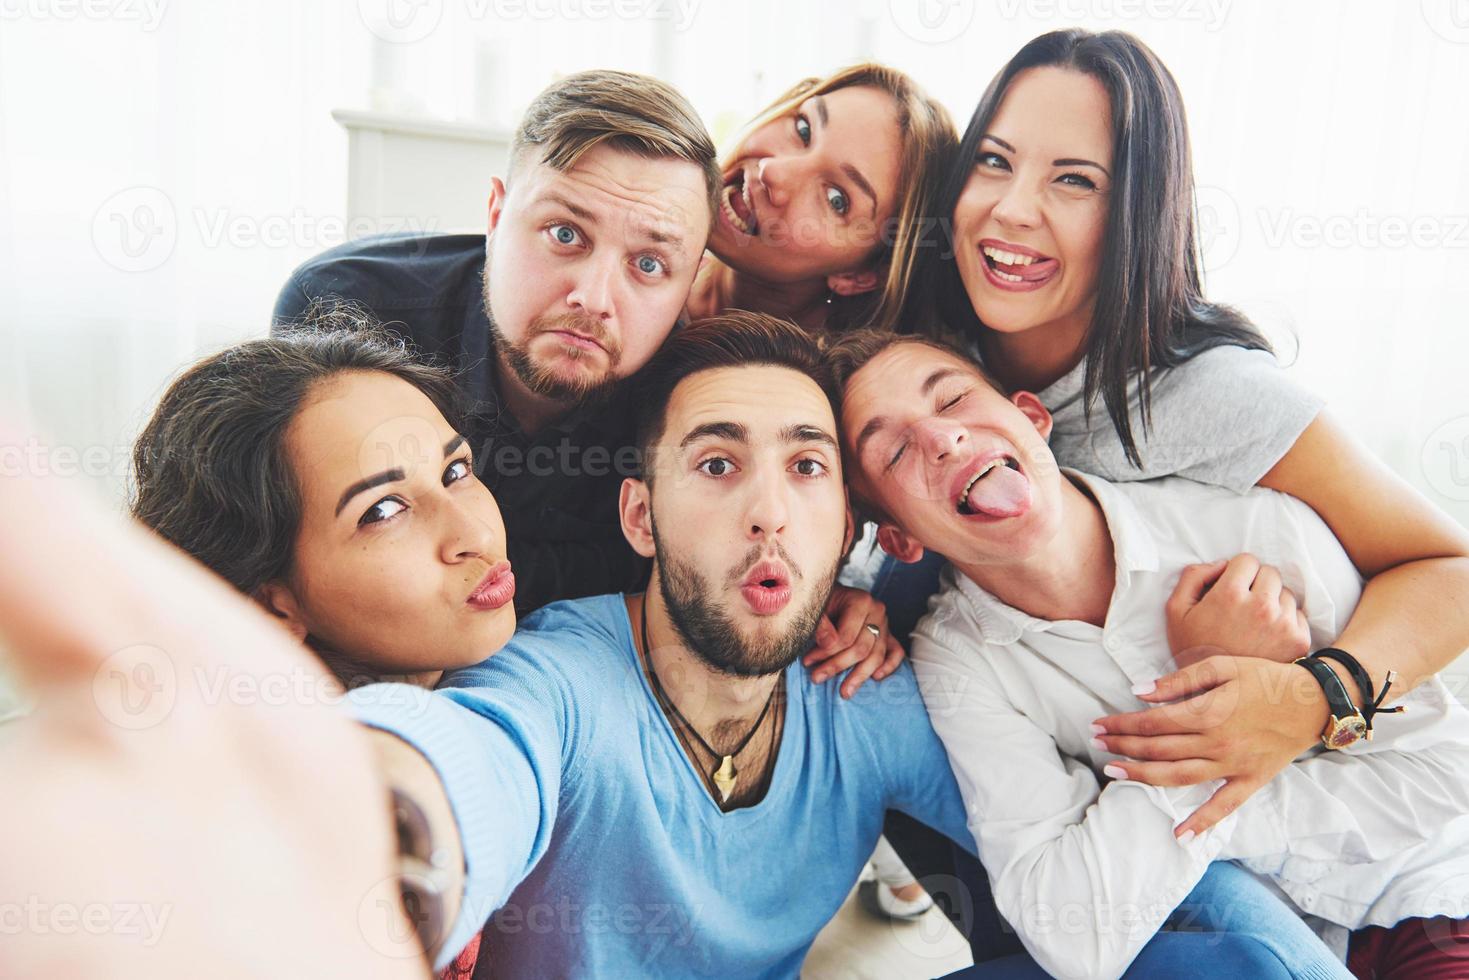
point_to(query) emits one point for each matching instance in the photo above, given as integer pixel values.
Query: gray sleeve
(1224, 417)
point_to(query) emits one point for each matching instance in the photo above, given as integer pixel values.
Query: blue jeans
(1230, 925)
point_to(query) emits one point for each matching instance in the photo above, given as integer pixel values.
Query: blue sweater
(587, 828)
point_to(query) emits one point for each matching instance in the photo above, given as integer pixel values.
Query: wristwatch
(1346, 725)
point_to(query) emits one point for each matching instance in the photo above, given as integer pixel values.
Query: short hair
(634, 113)
(854, 351)
(735, 338)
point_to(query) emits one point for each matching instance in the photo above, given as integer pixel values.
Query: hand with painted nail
(853, 633)
(1239, 719)
(1239, 607)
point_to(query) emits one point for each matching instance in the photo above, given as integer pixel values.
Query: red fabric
(1414, 949)
(463, 966)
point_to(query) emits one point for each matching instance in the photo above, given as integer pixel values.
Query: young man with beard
(593, 240)
(1052, 616)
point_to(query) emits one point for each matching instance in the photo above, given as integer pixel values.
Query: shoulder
(389, 273)
(1224, 379)
(572, 642)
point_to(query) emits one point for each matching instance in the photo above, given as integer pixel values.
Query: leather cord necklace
(724, 776)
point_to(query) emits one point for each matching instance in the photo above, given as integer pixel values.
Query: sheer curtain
(163, 166)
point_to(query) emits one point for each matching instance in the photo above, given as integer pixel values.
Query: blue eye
(803, 130)
(650, 266)
(837, 200)
(564, 234)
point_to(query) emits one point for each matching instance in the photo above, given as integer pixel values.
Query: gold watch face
(1341, 732)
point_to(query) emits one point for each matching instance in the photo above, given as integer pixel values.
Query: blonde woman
(819, 219)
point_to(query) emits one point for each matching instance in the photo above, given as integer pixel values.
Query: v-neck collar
(780, 778)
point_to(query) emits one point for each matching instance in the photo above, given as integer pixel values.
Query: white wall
(198, 136)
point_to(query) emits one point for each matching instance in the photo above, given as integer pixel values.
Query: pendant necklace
(725, 775)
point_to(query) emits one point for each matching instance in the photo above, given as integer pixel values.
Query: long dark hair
(1150, 310)
(210, 470)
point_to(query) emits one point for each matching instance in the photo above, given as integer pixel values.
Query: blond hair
(635, 113)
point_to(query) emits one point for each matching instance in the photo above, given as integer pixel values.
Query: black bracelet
(1346, 726)
(1371, 702)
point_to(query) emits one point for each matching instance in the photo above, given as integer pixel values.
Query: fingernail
(1099, 745)
(1185, 838)
(1116, 772)
(1098, 729)
(1146, 687)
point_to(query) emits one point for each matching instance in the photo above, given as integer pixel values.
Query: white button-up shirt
(1086, 869)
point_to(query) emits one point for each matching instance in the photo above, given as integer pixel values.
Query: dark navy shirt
(557, 489)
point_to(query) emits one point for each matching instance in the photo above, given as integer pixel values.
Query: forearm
(1087, 900)
(499, 786)
(1413, 619)
(404, 768)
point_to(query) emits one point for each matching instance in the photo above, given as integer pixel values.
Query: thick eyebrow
(733, 431)
(1063, 162)
(652, 234)
(387, 476)
(873, 426)
(933, 379)
(862, 184)
(576, 210)
(802, 432)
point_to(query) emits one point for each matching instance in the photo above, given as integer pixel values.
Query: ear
(1032, 408)
(898, 543)
(496, 203)
(852, 283)
(635, 507)
(278, 600)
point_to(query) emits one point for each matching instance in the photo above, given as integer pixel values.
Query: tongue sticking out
(1003, 492)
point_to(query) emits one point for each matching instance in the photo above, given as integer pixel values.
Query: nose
(774, 177)
(767, 510)
(592, 290)
(466, 535)
(1019, 208)
(941, 439)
